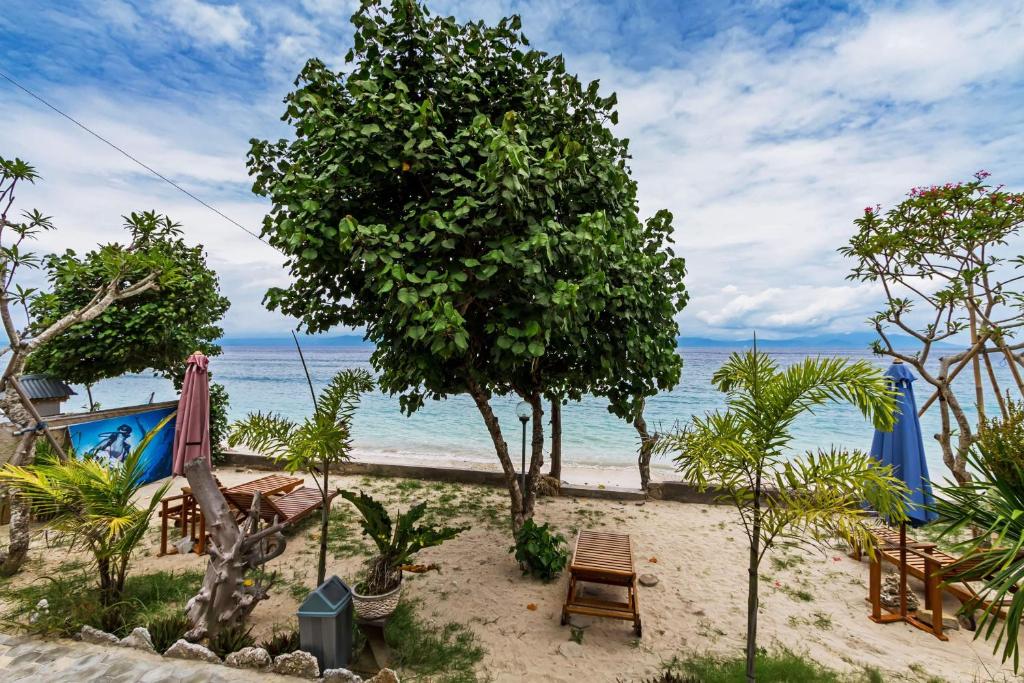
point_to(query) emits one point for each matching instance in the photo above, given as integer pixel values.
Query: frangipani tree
(314, 444)
(741, 453)
(946, 261)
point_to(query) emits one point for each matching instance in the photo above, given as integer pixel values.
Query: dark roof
(40, 387)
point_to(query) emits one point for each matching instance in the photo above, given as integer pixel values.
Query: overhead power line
(134, 159)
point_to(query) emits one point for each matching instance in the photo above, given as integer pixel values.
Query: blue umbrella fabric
(903, 447)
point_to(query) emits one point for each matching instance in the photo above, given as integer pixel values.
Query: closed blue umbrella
(903, 447)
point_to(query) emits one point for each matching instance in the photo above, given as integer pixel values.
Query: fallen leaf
(532, 607)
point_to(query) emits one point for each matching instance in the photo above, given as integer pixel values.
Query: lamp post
(524, 410)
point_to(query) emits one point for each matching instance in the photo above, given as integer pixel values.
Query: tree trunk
(647, 441)
(226, 598)
(521, 506)
(752, 580)
(325, 515)
(556, 439)
(19, 531)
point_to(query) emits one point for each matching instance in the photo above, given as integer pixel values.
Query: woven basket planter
(376, 607)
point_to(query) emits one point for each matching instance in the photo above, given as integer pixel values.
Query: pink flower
(981, 175)
(868, 209)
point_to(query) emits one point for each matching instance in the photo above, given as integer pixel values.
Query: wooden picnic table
(193, 524)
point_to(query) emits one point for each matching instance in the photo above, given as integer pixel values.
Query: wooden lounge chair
(286, 508)
(606, 559)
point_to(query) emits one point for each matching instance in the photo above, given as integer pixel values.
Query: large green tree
(464, 198)
(156, 330)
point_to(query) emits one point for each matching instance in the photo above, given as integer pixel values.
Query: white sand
(698, 554)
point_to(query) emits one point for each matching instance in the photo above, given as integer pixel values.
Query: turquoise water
(271, 379)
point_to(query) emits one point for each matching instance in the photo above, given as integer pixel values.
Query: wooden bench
(605, 559)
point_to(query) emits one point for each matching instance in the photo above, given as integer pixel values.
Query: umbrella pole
(903, 569)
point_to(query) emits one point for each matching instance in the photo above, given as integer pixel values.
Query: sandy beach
(811, 602)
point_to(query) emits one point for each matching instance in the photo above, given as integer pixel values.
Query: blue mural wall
(111, 440)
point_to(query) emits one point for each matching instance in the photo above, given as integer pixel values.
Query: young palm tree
(741, 453)
(312, 445)
(93, 504)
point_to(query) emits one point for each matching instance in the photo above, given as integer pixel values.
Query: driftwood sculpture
(228, 595)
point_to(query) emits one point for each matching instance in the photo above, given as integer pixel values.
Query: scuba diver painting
(113, 447)
(110, 441)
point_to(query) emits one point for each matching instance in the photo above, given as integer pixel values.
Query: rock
(384, 676)
(139, 639)
(948, 623)
(341, 676)
(249, 658)
(890, 595)
(570, 649)
(182, 649)
(640, 503)
(88, 634)
(648, 580)
(298, 663)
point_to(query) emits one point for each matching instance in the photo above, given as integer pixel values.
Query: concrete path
(32, 659)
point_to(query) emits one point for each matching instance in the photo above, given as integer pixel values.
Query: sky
(766, 127)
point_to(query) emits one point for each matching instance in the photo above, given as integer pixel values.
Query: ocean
(271, 379)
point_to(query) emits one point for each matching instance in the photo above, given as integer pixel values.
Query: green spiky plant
(396, 542)
(993, 502)
(94, 505)
(312, 445)
(741, 453)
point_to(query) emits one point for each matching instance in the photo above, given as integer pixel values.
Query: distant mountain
(854, 341)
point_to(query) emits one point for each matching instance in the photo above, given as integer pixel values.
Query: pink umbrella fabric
(192, 426)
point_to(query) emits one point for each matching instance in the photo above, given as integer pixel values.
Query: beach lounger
(605, 559)
(930, 565)
(287, 508)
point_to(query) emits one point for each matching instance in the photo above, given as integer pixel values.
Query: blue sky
(764, 126)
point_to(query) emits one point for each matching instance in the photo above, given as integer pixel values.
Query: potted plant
(377, 595)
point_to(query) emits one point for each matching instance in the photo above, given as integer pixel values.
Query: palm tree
(94, 505)
(741, 453)
(312, 445)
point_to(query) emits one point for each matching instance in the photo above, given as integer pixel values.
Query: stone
(88, 634)
(249, 658)
(648, 580)
(341, 676)
(298, 663)
(640, 503)
(384, 676)
(139, 639)
(183, 649)
(948, 623)
(890, 595)
(570, 649)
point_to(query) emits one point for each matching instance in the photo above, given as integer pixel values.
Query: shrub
(232, 639)
(167, 630)
(397, 543)
(281, 643)
(781, 666)
(539, 552)
(1001, 443)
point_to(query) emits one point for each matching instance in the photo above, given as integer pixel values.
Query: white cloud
(209, 24)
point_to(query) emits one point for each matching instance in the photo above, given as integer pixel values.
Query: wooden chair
(605, 559)
(182, 511)
(929, 565)
(287, 508)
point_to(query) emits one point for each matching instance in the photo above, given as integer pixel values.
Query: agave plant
(396, 542)
(94, 505)
(992, 503)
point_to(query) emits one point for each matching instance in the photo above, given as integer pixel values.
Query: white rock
(341, 676)
(298, 663)
(88, 634)
(249, 658)
(648, 580)
(384, 676)
(182, 649)
(139, 639)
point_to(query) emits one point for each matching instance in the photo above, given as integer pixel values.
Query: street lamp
(524, 410)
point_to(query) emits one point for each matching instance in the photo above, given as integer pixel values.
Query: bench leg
(875, 587)
(634, 601)
(568, 599)
(163, 529)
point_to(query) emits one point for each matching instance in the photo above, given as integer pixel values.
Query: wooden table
(193, 523)
(605, 559)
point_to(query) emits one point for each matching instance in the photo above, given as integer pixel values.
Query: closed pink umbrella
(192, 426)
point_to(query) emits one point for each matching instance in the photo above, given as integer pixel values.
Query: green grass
(446, 653)
(73, 601)
(781, 666)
